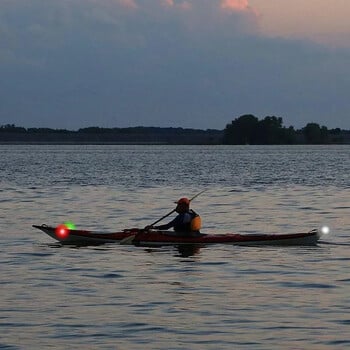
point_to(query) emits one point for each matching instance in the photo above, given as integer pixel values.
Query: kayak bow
(163, 238)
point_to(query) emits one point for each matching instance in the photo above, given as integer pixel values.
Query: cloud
(128, 3)
(185, 5)
(321, 21)
(158, 62)
(235, 5)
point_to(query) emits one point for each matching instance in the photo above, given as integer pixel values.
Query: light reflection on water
(221, 297)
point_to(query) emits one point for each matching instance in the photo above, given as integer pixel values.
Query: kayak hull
(162, 239)
(83, 237)
(168, 238)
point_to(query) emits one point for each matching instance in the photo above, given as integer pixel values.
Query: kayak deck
(165, 238)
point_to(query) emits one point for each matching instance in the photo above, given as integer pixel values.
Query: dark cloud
(193, 64)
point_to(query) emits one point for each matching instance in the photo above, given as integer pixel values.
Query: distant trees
(243, 130)
(248, 129)
(130, 135)
(12, 128)
(314, 134)
(339, 136)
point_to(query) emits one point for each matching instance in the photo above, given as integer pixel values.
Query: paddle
(129, 239)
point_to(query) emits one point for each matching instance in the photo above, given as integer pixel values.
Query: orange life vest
(196, 223)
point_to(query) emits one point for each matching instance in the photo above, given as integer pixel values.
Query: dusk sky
(192, 64)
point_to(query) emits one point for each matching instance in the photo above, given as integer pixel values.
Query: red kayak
(162, 238)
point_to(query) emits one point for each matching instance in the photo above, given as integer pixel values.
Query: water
(222, 297)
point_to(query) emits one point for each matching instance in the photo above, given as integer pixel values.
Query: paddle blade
(128, 240)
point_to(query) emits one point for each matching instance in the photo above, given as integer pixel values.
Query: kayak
(143, 237)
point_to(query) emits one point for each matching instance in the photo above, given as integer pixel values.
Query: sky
(173, 63)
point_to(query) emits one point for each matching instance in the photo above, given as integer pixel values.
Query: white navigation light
(325, 230)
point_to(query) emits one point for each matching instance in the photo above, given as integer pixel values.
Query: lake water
(219, 297)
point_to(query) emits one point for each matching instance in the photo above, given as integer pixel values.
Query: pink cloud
(227, 5)
(128, 3)
(185, 5)
(234, 5)
(167, 2)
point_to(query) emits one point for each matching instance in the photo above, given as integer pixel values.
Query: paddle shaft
(165, 216)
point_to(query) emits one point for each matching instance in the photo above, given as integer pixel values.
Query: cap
(183, 200)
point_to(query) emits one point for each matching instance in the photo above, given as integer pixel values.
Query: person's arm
(165, 226)
(175, 222)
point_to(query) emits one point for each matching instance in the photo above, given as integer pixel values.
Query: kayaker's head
(183, 205)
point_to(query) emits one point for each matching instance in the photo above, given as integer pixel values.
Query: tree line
(248, 129)
(93, 135)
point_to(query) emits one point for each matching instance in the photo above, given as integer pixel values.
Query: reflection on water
(219, 297)
(188, 250)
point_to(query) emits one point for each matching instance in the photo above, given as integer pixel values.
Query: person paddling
(186, 222)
